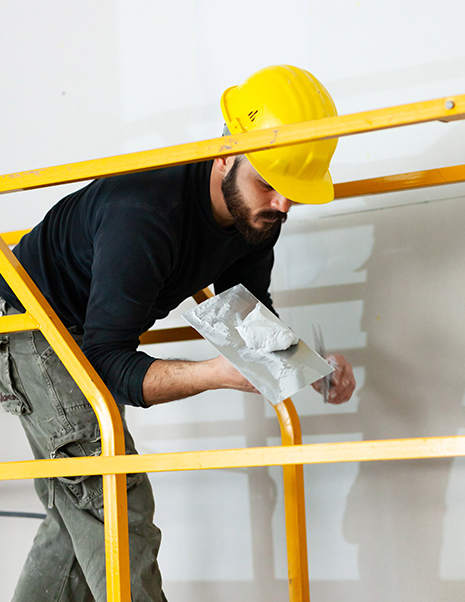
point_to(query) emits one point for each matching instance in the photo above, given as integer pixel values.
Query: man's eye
(266, 185)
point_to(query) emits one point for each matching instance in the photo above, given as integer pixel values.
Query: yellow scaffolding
(113, 464)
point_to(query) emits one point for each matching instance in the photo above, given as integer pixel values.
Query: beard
(237, 207)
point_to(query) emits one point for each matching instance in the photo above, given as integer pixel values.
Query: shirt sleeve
(133, 255)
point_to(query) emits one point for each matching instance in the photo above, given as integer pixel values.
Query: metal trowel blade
(276, 374)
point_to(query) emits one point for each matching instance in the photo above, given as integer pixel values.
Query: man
(113, 258)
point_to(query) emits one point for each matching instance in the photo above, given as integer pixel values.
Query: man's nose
(281, 203)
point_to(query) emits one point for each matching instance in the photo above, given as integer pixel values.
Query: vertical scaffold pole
(294, 506)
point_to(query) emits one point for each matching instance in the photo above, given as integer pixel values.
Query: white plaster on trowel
(276, 375)
(259, 332)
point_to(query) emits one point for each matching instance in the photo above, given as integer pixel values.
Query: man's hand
(229, 377)
(342, 380)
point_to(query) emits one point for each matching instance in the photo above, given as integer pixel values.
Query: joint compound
(259, 332)
(257, 343)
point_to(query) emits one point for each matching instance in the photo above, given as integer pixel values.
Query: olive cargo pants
(67, 559)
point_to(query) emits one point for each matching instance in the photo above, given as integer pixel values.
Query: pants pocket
(12, 394)
(85, 492)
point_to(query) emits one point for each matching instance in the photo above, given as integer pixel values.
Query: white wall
(382, 275)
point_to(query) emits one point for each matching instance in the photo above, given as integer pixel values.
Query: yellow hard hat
(280, 95)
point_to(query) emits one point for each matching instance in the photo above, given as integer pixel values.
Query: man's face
(256, 207)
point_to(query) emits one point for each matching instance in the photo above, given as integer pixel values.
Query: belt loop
(51, 492)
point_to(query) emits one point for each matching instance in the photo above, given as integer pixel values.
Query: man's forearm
(167, 380)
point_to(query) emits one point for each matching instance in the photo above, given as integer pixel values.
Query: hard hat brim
(310, 192)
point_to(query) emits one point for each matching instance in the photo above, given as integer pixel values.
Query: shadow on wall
(409, 297)
(413, 316)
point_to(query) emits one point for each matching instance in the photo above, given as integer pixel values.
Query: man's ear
(220, 164)
(224, 164)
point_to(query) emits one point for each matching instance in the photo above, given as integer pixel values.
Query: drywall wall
(382, 275)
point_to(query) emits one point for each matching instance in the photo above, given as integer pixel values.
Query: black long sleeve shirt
(121, 253)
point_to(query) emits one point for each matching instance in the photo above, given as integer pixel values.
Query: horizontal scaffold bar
(403, 181)
(442, 109)
(13, 237)
(17, 323)
(318, 453)
(169, 335)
